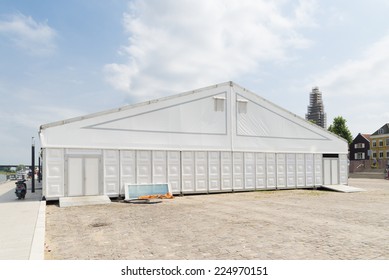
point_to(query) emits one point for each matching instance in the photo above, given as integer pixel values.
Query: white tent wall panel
(143, 167)
(260, 169)
(127, 169)
(237, 175)
(174, 171)
(53, 179)
(281, 171)
(291, 170)
(318, 163)
(159, 167)
(300, 170)
(343, 169)
(214, 171)
(309, 170)
(249, 171)
(185, 171)
(201, 172)
(188, 172)
(271, 170)
(111, 172)
(226, 171)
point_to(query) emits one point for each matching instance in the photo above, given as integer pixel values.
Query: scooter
(21, 189)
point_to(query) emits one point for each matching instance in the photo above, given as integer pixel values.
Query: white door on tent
(83, 175)
(331, 171)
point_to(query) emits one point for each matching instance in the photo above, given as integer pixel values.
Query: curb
(38, 241)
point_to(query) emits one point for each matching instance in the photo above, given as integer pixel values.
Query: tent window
(242, 106)
(219, 103)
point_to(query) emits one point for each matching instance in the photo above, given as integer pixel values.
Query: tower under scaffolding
(316, 112)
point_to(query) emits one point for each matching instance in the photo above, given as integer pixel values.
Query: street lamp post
(33, 165)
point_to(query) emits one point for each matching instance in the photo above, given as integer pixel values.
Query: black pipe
(33, 166)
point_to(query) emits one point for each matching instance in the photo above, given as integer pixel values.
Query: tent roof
(190, 120)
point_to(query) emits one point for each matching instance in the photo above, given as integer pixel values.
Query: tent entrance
(82, 175)
(331, 169)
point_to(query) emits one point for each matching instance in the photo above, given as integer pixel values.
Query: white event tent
(221, 138)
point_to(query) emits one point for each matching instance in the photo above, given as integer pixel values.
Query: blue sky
(62, 59)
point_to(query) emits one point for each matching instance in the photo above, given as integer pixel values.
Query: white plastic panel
(74, 177)
(318, 169)
(111, 172)
(91, 175)
(300, 170)
(271, 170)
(309, 170)
(238, 171)
(226, 171)
(174, 171)
(260, 169)
(249, 171)
(327, 171)
(291, 170)
(128, 169)
(281, 171)
(83, 151)
(53, 181)
(201, 172)
(343, 169)
(188, 172)
(143, 167)
(334, 171)
(159, 167)
(214, 171)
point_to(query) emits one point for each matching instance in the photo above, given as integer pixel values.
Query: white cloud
(366, 74)
(179, 45)
(358, 89)
(29, 35)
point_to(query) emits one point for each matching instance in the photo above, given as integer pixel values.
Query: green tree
(20, 167)
(340, 128)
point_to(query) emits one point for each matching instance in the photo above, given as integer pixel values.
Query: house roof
(383, 130)
(366, 136)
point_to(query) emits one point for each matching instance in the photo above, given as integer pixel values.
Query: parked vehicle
(21, 189)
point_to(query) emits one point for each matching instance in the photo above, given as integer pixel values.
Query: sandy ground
(267, 225)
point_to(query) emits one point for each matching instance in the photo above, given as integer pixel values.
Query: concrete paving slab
(19, 219)
(261, 225)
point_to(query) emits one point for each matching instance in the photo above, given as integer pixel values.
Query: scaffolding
(316, 112)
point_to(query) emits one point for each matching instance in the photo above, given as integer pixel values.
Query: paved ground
(22, 224)
(287, 224)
